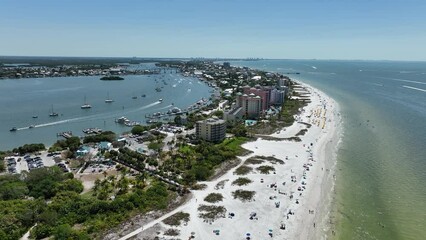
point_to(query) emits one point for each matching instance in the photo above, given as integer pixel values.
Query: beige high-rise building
(212, 129)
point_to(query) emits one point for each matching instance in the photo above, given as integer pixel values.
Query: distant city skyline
(305, 29)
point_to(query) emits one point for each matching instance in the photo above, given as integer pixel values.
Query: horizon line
(212, 58)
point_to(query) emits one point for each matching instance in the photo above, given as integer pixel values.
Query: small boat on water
(53, 113)
(35, 116)
(160, 100)
(31, 126)
(108, 100)
(85, 105)
(143, 95)
(14, 129)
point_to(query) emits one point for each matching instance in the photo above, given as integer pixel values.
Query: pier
(66, 135)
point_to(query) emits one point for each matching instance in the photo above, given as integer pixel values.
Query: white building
(212, 129)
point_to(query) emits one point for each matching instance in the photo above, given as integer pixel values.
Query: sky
(281, 29)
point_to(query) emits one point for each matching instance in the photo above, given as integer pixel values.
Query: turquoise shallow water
(20, 99)
(381, 168)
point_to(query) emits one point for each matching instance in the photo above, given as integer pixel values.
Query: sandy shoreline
(301, 185)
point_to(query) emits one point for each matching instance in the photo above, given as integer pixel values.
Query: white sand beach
(291, 202)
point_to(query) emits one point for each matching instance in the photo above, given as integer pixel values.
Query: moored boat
(108, 100)
(85, 105)
(53, 113)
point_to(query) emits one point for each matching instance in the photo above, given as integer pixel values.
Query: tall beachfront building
(212, 129)
(263, 93)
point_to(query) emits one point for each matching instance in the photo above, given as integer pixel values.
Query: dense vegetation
(67, 209)
(140, 129)
(241, 181)
(72, 143)
(289, 109)
(2, 165)
(29, 148)
(106, 136)
(214, 198)
(111, 78)
(177, 219)
(197, 163)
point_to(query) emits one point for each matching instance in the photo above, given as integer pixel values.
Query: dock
(66, 135)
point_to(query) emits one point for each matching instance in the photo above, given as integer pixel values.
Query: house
(104, 145)
(83, 150)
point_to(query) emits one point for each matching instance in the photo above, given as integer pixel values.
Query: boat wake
(402, 80)
(414, 88)
(93, 117)
(168, 106)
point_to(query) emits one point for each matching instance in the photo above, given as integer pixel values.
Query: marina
(64, 98)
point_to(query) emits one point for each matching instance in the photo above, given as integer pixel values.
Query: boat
(85, 105)
(14, 129)
(35, 116)
(108, 100)
(31, 126)
(160, 100)
(53, 113)
(122, 120)
(143, 95)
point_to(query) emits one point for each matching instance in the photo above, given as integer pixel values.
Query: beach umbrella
(270, 230)
(247, 234)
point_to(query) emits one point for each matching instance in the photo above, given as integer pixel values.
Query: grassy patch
(270, 159)
(221, 184)
(254, 161)
(199, 186)
(234, 144)
(243, 195)
(176, 219)
(302, 132)
(211, 212)
(265, 169)
(214, 198)
(243, 170)
(241, 181)
(172, 232)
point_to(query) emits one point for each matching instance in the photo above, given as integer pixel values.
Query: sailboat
(52, 113)
(108, 100)
(85, 105)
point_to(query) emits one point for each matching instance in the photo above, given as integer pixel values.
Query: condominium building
(263, 93)
(277, 97)
(251, 105)
(212, 129)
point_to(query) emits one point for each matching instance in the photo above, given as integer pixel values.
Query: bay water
(21, 99)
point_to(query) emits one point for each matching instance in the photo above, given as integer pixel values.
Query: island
(111, 78)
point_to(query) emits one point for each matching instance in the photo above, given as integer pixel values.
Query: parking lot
(17, 164)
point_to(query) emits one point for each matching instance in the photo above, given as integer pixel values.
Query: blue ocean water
(381, 164)
(21, 99)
